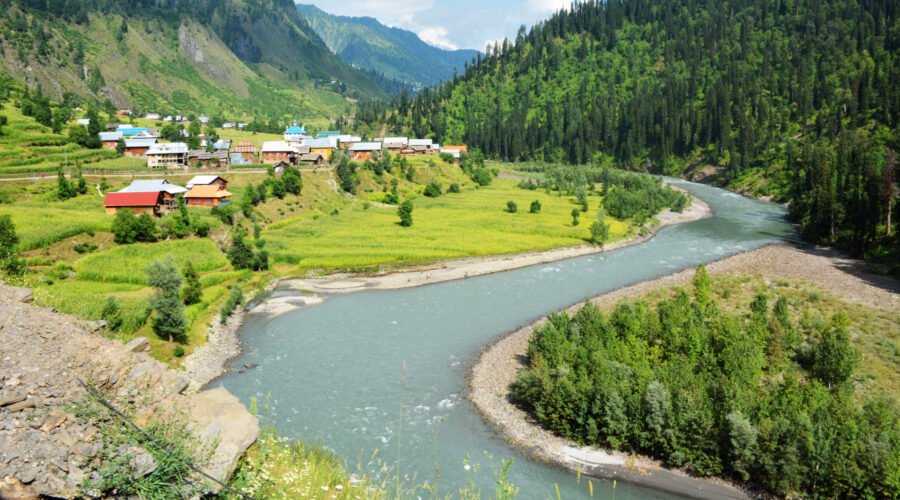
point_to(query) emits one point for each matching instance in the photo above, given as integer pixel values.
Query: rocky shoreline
(499, 364)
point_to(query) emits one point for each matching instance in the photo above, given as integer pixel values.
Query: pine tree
(192, 292)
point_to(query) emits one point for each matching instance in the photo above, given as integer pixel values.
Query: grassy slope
(320, 231)
(177, 69)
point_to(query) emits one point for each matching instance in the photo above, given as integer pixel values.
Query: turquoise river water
(386, 370)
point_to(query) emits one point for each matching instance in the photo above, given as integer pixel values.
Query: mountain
(397, 54)
(795, 100)
(237, 57)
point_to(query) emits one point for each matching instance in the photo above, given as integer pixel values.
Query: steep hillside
(794, 100)
(236, 57)
(396, 53)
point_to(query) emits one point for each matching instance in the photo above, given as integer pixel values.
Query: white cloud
(437, 36)
(547, 6)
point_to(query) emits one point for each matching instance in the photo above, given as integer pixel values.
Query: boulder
(218, 417)
(139, 344)
(8, 400)
(21, 405)
(23, 295)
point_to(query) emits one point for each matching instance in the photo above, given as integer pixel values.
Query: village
(297, 149)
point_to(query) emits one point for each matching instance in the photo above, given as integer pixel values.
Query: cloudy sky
(451, 24)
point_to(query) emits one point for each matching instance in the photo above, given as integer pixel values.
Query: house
(312, 158)
(123, 112)
(154, 185)
(137, 147)
(149, 202)
(83, 121)
(395, 144)
(275, 151)
(345, 141)
(295, 134)
(129, 131)
(247, 151)
(204, 120)
(110, 139)
(325, 147)
(207, 196)
(455, 150)
(237, 159)
(362, 151)
(278, 168)
(222, 145)
(204, 159)
(152, 116)
(415, 147)
(327, 134)
(166, 155)
(207, 180)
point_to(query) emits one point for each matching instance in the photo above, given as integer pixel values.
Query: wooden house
(110, 139)
(276, 151)
(208, 195)
(248, 151)
(362, 151)
(312, 159)
(455, 150)
(137, 147)
(203, 159)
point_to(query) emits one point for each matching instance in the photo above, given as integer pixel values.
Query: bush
(201, 228)
(433, 189)
(84, 248)
(179, 351)
(535, 207)
(127, 228)
(192, 292)
(10, 264)
(112, 314)
(224, 213)
(454, 188)
(169, 321)
(234, 299)
(447, 158)
(405, 212)
(511, 207)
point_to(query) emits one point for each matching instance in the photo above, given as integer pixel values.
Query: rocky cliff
(46, 448)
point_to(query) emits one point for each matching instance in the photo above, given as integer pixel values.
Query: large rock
(139, 344)
(217, 416)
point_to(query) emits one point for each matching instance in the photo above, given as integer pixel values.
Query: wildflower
(467, 467)
(324, 488)
(339, 487)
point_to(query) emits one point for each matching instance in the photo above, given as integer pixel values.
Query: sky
(450, 24)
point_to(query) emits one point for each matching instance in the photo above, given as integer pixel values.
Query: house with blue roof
(295, 133)
(132, 131)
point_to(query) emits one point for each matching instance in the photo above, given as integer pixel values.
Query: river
(386, 370)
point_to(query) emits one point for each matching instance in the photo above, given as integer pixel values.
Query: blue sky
(452, 24)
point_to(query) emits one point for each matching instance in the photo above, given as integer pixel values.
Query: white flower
(324, 488)
(467, 467)
(339, 487)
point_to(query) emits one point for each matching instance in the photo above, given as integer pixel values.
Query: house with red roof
(140, 202)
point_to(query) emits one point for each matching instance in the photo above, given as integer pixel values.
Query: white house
(166, 155)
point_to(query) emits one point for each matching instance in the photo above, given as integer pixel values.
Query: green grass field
(318, 232)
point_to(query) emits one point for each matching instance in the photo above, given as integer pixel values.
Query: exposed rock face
(45, 449)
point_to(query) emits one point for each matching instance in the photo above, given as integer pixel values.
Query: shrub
(511, 207)
(112, 314)
(405, 212)
(201, 228)
(179, 351)
(234, 299)
(454, 188)
(433, 189)
(192, 292)
(169, 321)
(535, 207)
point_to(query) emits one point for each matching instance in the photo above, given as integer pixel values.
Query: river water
(385, 370)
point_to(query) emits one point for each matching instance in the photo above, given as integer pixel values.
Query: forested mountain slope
(396, 53)
(254, 57)
(796, 99)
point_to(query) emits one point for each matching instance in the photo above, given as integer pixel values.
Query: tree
(9, 262)
(405, 212)
(702, 286)
(600, 229)
(512, 207)
(346, 172)
(535, 207)
(79, 135)
(279, 189)
(834, 358)
(64, 189)
(82, 187)
(575, 214)
(112, 314)
(128, 228)
(192, 293)
(293, 182)
(240, 254)
(3, 122)
(742, 443)
(169, 321)
(120, 146)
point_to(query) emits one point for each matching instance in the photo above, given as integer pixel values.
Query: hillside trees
(745, 86)
(10, 264)
(169, 321)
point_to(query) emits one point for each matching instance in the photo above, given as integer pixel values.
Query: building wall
(273, 158)
(136, 152)
(110, 144)
(325, 152)
(203, 202)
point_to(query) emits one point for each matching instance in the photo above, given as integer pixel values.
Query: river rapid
(384, 372)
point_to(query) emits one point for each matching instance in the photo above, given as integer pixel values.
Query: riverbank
(223, 342)
(499, 364)
(469, 268)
